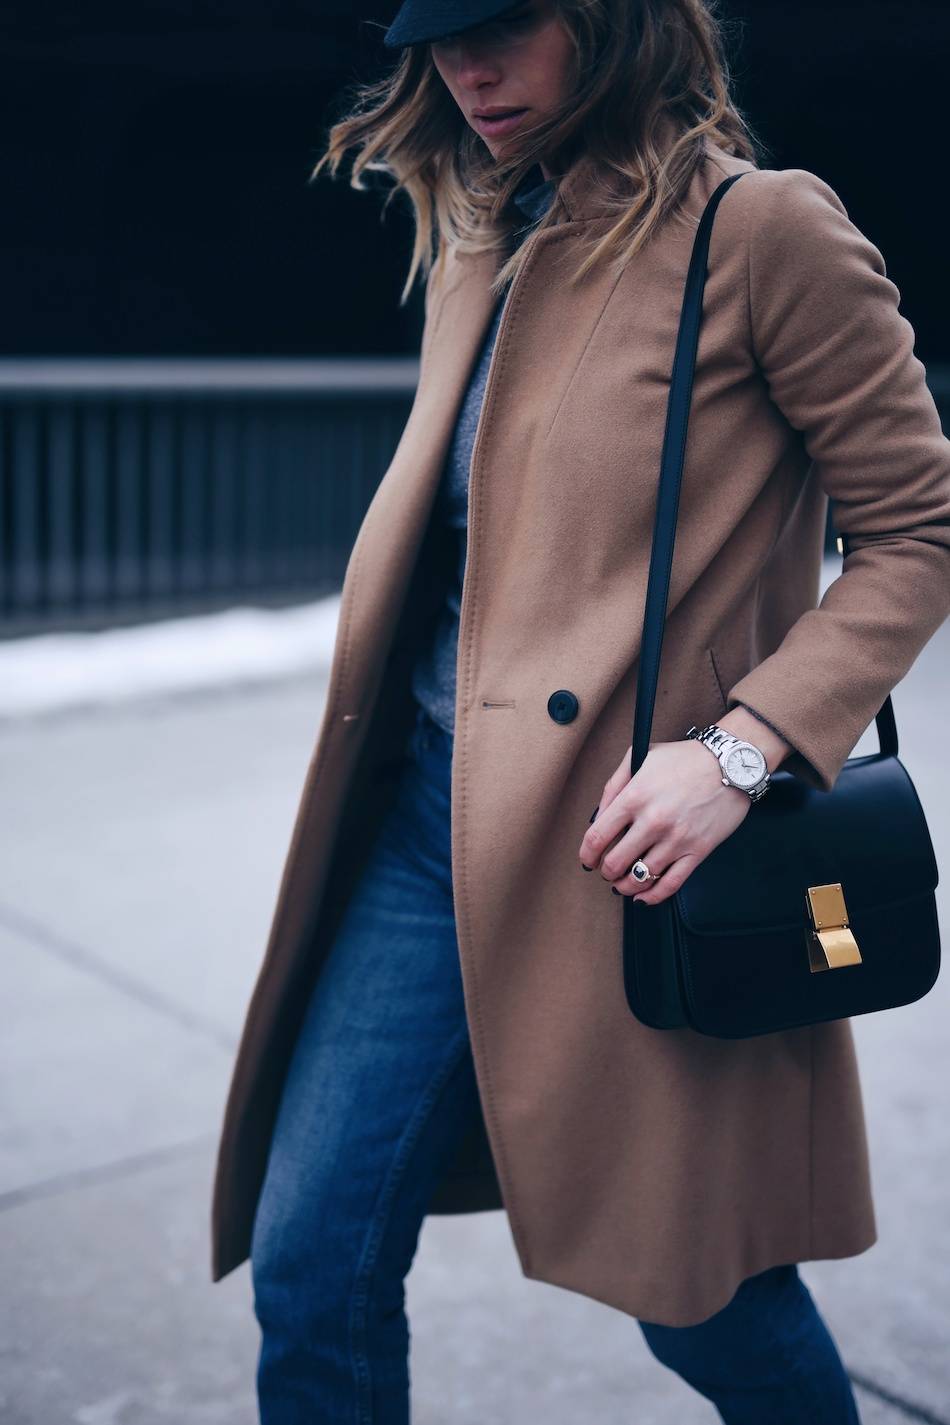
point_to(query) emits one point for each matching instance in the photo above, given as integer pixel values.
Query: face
(519, 61)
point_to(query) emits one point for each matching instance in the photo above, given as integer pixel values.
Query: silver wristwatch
(743, 764)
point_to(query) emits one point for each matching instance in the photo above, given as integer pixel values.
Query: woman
(439, 1022)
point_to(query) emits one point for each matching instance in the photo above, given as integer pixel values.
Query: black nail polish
(593, 814)
(586, 868)
(614, 890)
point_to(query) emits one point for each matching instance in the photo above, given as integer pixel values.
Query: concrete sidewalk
(142, 847)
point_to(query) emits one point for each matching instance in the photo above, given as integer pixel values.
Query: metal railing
(134, 489)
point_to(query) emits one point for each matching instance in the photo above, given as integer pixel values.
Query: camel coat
(648, 1169)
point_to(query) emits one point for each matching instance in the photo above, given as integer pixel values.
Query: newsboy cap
(419, 20)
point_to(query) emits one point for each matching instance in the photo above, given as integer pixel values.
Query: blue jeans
(381, 1088)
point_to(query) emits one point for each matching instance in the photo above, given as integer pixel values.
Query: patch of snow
(54, 672)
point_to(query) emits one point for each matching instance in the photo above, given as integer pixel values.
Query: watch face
(745, 765)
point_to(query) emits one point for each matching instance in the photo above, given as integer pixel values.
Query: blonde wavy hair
(644, 71)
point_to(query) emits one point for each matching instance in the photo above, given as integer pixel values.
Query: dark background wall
(155, 162)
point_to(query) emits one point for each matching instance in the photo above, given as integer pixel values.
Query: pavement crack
(104, 1172)
(906, 1407)
(89, 963)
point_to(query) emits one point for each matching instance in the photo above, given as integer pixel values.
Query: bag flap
(869, 833)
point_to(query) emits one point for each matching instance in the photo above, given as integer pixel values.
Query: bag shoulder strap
(671, 474)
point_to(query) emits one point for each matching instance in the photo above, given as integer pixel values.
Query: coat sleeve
(839, 360)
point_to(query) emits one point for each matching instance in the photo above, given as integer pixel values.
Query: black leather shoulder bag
(820, 905)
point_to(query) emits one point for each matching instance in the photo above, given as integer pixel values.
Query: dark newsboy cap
(419, 20)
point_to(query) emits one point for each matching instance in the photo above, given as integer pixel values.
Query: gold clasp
(831, 944)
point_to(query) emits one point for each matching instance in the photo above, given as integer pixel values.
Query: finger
(607, 832)
(616, 782)
(670, 881)
(658, 856)
(614, 815)
(617, 859)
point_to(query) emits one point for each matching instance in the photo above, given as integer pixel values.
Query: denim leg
(767, 1356)
(381, 1088)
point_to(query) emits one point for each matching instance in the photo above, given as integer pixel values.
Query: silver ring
(640, 871)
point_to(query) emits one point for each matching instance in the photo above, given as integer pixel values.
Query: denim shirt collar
(534, 193)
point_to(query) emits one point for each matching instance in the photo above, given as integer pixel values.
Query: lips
(499, 123)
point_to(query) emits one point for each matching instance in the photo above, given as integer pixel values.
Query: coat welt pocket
(716, 680)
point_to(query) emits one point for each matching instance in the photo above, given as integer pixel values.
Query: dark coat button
(563, 705)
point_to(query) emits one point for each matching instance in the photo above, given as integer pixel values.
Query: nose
(474, 68)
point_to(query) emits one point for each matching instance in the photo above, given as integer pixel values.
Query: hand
(670, 814)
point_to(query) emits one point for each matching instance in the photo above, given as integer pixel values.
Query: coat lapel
(397, 516)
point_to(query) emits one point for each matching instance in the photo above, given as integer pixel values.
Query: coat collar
(589, 187)
(460, 312)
